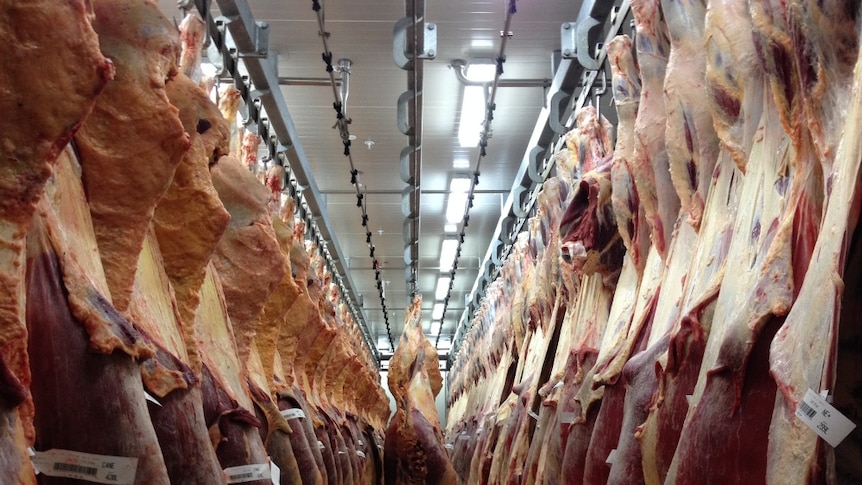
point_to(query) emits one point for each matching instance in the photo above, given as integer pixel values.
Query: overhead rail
(413, 41)
(538, 161)
(236, 40)
(490, 107)
(342, 122)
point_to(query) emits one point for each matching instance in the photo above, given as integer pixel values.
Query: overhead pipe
(459, 66)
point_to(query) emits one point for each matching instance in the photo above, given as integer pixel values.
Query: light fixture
(448, 253)
(461, 163)
(442, 287)
(437, 312)
(472, 116)
(474, 102)
(459, 188)
(449, 228)
(435, 326)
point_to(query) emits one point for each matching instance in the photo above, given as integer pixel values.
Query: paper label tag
(823, 418)
(247, 473)
(533, 415)
(150, 398)
(274, 473)
(360, 442)
(86, 466)
(464, 437)
(360, 453)
(320, 445)
(449, 446)
(293, 413)
(480, 430)
(612, 457)
(567, 418)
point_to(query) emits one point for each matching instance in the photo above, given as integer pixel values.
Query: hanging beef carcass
(44, 106)
(414, 450)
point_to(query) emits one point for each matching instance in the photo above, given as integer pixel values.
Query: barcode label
(247, 473)
(823, 418)
(805, 408)
(295, 413)
(85, 466)
(69, 467)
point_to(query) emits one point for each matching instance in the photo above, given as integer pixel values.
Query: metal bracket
(261, 42)
(407, 168)
(403, 115)
(534, 170)
(410, 201)
(402, 58)
(575, 41)
(559, 100)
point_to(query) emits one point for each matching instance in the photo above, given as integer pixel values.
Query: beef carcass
(87, 347)
(228, 408)
(631, 222)
(178, 418)
(132, 121)
(248, 259)
(192, 33)
(650, 170)
(32, 138)
(190, 219)
(803, 353)
(692, 145)
(413, 449)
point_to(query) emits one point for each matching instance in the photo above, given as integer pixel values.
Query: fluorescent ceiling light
(482, 72)
(435, 326)
(461, 162)
(442, 287)
(437, 312)
(444, 344)
(459, 188)
(450, 228)
(472, 116)
(448, 253)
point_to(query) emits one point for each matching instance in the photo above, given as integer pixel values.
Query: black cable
(341, 123)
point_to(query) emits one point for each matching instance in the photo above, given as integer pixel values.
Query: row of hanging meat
(162, 318)
(684, 307)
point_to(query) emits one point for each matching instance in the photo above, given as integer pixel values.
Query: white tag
(464, 437)
(86, 466)
(247, 473)
(612, 457)
(558, 385)
(360, 453)
(567, 418)
(293, 413)
(533, 415)
(824, 419)
(320, 445)
(360, 442)
(150, 398)
(275, 473)
(342, 452)
(449, 446)
(480, 430)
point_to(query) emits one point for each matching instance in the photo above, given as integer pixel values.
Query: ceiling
(362, 31)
